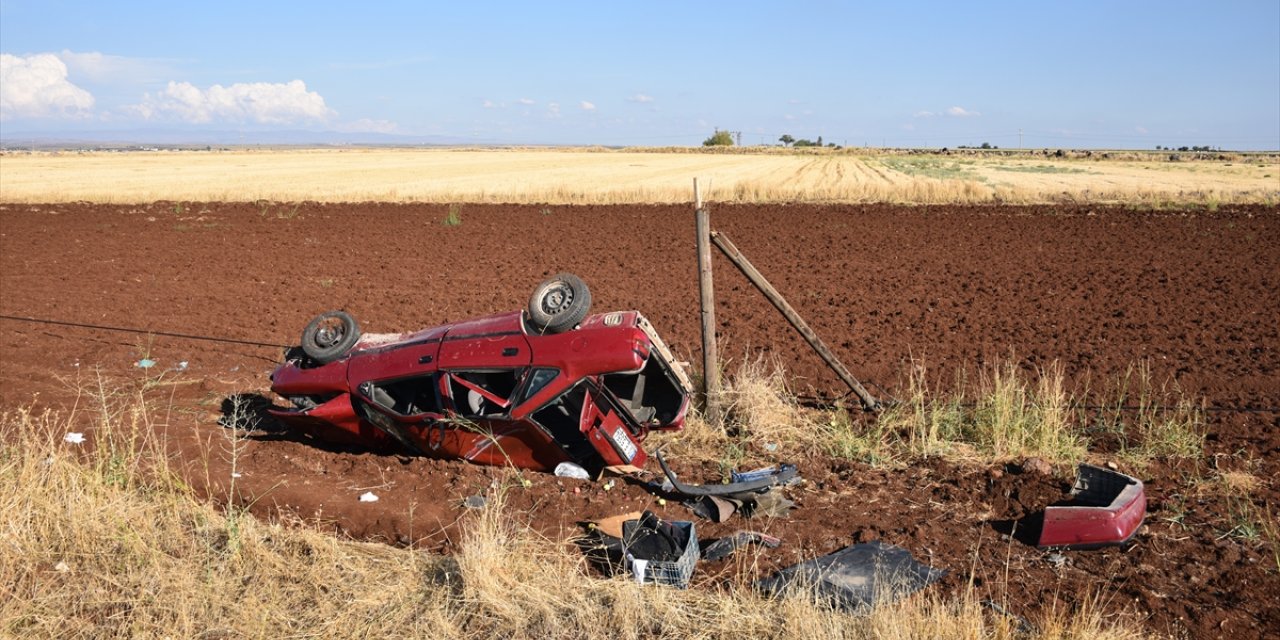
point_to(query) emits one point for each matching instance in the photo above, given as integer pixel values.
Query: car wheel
(329, 336)
(559, 303)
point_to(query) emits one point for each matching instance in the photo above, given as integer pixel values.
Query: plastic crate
(675, 573)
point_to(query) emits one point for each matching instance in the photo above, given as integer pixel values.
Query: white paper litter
(73, 438)
(571, 470)
(368, 496)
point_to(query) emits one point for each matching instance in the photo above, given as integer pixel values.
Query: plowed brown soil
(1098, 289)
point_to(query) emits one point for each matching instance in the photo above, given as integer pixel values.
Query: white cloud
(960, 112)
(1141, 129)
(36, 86)
(527, 102)
(99, 68)
(587, 106)
(259, 102)
(908, 127)
(488, 104)
(367, 125)
(553, 108)
(923, 114)
(640, 98)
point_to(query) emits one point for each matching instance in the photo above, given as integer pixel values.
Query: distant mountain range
(179, 138)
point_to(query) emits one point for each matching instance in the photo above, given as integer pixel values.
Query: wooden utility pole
(710, 362)
(735, 256)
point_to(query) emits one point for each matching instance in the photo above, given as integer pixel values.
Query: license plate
(625, 446)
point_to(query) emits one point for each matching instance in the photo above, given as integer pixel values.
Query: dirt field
(1098, 289)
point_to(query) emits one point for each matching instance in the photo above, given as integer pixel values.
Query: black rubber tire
(559, 304)
(324, 341)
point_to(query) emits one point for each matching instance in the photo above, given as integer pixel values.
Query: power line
(185, 336)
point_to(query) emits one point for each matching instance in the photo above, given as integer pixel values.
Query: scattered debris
(368, 496)
(722, 548)
(789, 478)
(612, 526)
(1106, 508)
(608, 486)
(181, 366)
(62, 567)
(73, 438)
(1057, 560)
(660, 552)
(474, 502)
(770, 503)
(715, 508)
(145, 363)
(857, 577)
(784, 475)
(571, 470)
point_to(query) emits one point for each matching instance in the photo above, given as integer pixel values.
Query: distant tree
(719, 139)
(786, 139)
(819, 141)
(985, 145)
(804, 142)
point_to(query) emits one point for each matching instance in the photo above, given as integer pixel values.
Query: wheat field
(604, 176)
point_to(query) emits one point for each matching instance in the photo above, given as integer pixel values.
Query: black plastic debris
(857, 577)
(660, 552)
(722, 548)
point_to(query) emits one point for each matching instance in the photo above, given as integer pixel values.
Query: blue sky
(1130, 74)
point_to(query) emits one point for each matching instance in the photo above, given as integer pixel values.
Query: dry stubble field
(638, 176)
(1190, 294)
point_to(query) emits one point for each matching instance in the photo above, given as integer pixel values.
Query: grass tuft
(454, 217)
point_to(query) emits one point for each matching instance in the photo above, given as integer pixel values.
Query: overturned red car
(531, 388)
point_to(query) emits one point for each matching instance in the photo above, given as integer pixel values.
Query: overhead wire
(167, 334)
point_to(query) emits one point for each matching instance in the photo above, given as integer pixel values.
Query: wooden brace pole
(710, 362)
(735, 256)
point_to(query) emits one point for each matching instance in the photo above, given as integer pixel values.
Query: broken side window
(406, 397)
(483, 393)
(537, 380)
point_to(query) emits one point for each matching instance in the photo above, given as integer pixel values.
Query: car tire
(329, 336)
(559, 304)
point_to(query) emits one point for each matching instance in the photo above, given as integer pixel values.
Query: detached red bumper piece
(1106, 508)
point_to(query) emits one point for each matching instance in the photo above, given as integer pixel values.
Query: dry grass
(1150, 420)
(101, 540)
(1004, 413)
(1005, 416)
(577, 176)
